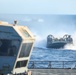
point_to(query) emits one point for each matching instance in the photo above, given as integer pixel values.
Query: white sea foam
(72, 46)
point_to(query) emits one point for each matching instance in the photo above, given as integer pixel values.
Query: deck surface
(53, 71)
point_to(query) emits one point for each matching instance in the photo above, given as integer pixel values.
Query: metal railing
(52, 65)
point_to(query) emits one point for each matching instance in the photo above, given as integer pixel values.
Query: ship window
(4, 45)
(25, 33)
(7, 49)
(25, 51)
(21, 64)
(12, 51)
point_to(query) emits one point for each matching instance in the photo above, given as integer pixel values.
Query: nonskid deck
(53, 71)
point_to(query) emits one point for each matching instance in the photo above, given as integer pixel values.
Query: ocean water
(39, 54)
(42, 25)
(52, 58)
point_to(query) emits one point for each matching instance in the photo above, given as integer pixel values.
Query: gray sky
(38, 6)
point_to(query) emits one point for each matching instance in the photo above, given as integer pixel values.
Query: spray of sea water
(72, 46)
(57, 26)
(42, 42)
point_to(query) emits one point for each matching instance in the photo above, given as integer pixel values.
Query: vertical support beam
(49, 65)
(63, 64)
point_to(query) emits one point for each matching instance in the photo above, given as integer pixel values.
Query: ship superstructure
(53, 42)
(16, 43)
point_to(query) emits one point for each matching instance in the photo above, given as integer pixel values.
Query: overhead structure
(16, 43)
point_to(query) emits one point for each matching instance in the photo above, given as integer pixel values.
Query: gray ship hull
(56, 45)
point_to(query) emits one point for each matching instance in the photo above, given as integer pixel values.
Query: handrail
(52, 64)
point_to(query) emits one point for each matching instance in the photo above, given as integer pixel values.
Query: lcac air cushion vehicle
(53, 42)
(16, 43)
